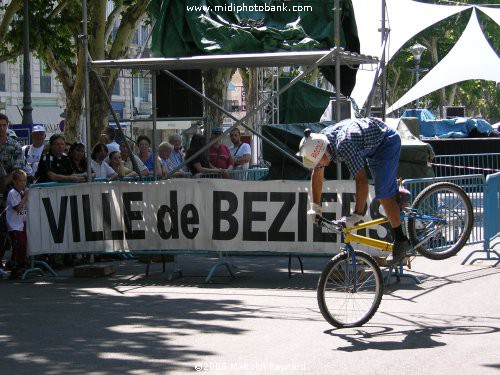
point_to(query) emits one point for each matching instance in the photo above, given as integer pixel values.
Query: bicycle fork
(350, 266)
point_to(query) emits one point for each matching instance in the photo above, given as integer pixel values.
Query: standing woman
(146, 155)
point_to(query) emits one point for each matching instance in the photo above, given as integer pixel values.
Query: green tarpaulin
(200, 27)
(302, 102)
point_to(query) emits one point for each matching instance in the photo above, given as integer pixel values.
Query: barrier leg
(486, 249)
(37, 266)
(176, 270)
(290, 265)
(220, 262)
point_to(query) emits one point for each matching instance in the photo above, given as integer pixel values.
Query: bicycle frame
(406, 213)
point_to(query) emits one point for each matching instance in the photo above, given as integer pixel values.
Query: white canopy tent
(471, 58)
(401, 29)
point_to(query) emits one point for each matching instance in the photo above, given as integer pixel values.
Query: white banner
(187, 214)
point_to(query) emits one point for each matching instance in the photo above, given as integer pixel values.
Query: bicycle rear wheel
(350, 289)
(449, 203)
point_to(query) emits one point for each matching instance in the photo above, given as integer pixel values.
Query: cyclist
(353, 141)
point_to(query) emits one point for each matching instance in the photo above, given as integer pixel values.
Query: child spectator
(16, 222)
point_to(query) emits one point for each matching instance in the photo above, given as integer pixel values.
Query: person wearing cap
(219, 155)
(356, 141)
(33, 152)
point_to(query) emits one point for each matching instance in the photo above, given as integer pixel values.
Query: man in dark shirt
(56, 166)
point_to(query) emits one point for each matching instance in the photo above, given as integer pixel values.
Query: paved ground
(262, 322)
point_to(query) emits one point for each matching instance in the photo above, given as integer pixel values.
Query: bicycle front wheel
(350, 289)
(443, 222)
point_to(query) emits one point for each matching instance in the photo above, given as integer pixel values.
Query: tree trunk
(74, 107)
(215, 85)
(249, 78)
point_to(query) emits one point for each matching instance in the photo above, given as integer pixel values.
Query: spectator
(177, 155)
(99, 166)
(33, 153)
(55, 166)
(16, 222)
(108, 138)
(240, 151)
(76, 155)
(127, 162)
(219, 155)
(116, 162)
(167, 165)
(146, 155)
(200, 163)
(11, 158)
(11, 154)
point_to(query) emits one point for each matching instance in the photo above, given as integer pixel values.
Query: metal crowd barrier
(252, 174)
(465, 164)
(485, 196)
(473, 185)
(491, 219)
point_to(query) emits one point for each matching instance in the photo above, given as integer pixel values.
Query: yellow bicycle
(351, 286)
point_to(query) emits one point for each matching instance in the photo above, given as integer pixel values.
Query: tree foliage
(55, 37)
(480, 98)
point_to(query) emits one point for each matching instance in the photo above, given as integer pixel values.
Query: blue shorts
(383, 164)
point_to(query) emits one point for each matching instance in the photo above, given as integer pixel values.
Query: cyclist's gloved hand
(314, 212)
(351, 220)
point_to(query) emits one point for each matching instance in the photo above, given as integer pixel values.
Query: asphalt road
(261, 322)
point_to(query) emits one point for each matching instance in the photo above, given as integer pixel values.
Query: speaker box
(175, 100)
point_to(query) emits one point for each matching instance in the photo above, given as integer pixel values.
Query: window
(146, 89)
(2, 77)
(135, 39)
(45, 79)
(116, 87)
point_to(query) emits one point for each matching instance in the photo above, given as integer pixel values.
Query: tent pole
(86, 85)
(336, 37)
(383, 82)
(154, 74)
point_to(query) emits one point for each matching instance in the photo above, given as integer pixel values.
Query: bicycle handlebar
(336, 225)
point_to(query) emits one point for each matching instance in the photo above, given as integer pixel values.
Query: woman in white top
(99, 166)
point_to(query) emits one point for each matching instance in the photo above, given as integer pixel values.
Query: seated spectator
(55, 166)
(99, 166)
(167, 165)
(146, 155)
(76, 155)
(116, 162)
(219, 155)
(127, 162)
(177, 155)
(108, 138)
(200, 163)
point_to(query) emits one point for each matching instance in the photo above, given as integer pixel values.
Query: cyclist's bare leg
(392, 211)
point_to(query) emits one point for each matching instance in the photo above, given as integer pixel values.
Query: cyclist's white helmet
(312, 148)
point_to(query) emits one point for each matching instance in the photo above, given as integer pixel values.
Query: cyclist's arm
(361, 191)
(317, 177)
